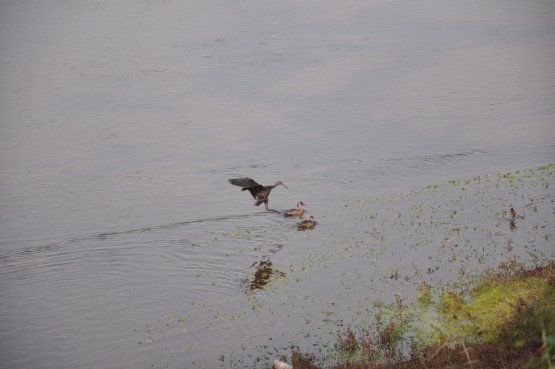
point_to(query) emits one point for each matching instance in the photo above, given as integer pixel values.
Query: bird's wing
(243, 182)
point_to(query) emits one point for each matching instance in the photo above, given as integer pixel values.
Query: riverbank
(475, 286)
(508, 322)
(374, 272)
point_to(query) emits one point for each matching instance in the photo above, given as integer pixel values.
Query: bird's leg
(267, 209)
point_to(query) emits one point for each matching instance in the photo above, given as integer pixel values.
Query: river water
(121, 122)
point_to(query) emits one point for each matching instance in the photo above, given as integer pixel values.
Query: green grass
(506, 321)
(494, 307)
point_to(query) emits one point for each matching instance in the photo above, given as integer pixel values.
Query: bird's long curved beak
(285, 185)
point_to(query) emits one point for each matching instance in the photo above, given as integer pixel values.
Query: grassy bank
(506, 320)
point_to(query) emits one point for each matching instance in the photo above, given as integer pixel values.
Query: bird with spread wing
(259, 193)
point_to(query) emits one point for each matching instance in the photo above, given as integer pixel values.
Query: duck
(307, 224)
(293, 212)
(512, 213)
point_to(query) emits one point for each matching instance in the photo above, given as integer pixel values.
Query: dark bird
(307, 224)
(293, 212)
(259, 193)
(512, 212)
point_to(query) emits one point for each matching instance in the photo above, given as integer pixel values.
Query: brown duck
(259, 193)
(307, 224)
(512, 213)
(294, 212)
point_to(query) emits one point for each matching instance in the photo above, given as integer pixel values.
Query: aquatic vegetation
(424, 296)
(508, 324)
(429, 246)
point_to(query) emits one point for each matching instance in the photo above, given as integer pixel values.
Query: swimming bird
(307, 224)
(512, 212)
(259, 193)
(298, 211)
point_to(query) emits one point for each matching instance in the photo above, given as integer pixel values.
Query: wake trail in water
(7, 256)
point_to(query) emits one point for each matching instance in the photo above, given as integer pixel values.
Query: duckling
(512, 212)
(298, 211)
(307, 224)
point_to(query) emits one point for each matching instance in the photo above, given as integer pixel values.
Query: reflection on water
(263, 272)
(122, 121)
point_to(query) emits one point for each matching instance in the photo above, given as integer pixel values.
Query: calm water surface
(120, 123)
